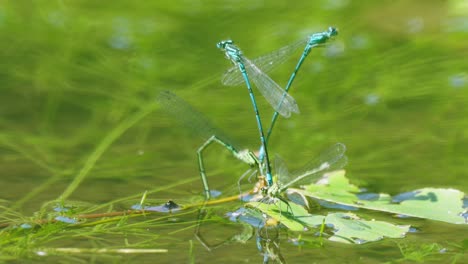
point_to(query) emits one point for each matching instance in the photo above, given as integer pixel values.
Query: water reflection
(56, 18)
(415, 25)
(268, 243)
(360, 42)
(265, 229)
(335, 49)
(121, 38)
(458, 80)
(266, 233)
(372, 99)
(458, 24)
(335, 4)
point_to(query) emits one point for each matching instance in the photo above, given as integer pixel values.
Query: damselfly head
(222, 44)
(322, 37)
(332, 31)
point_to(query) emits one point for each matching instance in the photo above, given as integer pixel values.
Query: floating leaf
(431, 203)
(348, 228)
(286, 214)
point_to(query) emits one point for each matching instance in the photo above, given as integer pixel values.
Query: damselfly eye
(222, 44)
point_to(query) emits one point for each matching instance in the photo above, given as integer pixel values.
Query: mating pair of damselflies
(280, 100)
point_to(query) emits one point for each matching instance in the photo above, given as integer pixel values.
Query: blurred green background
(393, 87)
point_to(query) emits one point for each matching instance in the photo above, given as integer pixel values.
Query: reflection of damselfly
(267, 233)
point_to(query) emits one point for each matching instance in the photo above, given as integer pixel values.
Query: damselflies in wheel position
(268, 62)
(269, 89)
(188, 116)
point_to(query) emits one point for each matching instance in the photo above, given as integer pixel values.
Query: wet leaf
(286, 214)
(431, 203)
(349, 228)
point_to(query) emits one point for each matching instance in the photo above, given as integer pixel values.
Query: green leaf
(431, 203)
(286, 214)
(348, 228)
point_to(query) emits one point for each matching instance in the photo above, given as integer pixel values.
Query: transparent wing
(188, 116)
(281, 169)
(280, 100)
(333, 158)
(266, 62)
(232, 77)
(270, 61)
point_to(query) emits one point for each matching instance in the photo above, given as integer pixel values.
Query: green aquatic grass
(104, 144)
(109, 232)
(98, 231)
